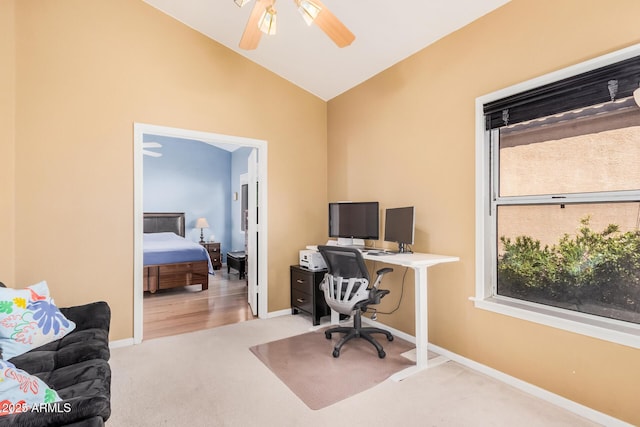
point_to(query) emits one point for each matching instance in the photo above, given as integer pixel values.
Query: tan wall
(7, 142)
(407, 136)
(86, 71)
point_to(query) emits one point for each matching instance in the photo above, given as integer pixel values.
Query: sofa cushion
(76, 366)
(76, 347)
(21, 391)
(29, 319)
(85, 385)
(85, 390)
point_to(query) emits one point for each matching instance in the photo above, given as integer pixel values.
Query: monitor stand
(354, 243)
(403, 248)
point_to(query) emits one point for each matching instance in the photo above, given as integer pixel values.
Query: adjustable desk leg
(422, 328)
(422, 318)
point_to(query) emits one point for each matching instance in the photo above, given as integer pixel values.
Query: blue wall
(191, 177)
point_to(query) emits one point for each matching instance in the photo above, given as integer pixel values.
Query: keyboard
(378, 252)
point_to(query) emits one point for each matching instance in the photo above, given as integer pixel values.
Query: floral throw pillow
(21, 391)
(29, 319)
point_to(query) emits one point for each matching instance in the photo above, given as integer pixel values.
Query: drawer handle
(300, 281)
(300, 300)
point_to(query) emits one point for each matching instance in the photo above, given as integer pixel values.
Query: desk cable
(375, 311)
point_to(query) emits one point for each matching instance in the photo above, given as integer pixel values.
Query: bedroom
(76, 76)
(200, 180)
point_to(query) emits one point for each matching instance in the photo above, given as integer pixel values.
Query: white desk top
(412, 259)
(406, 259)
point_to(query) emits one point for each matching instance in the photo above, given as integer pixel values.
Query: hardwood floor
(187, 309)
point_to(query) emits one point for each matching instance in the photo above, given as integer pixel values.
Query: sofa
(76, 367)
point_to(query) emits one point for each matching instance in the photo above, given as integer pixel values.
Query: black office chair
(346, 290)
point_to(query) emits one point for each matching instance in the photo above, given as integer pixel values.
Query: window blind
(581, 90)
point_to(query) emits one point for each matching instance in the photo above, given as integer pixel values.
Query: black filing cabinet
(306, 294)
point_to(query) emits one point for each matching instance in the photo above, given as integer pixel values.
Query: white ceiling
(386, 33)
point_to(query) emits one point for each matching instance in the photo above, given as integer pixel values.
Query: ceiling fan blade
(151, 153)
(333, 27)
(251, 36)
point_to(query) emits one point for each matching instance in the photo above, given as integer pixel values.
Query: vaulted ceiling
(386, 33)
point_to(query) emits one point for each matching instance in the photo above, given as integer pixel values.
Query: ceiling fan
(146, 152)
(263, 19)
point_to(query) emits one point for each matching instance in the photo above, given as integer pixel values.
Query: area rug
(306, 365)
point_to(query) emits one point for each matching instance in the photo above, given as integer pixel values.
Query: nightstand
(214, 253)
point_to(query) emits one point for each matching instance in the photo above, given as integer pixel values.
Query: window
(558, 199)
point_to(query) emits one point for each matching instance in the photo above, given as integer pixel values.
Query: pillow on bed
(29, 319)
(20, 390)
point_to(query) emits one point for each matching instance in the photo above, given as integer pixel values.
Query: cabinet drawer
(302, 281)
(184, 267)
(302, 300)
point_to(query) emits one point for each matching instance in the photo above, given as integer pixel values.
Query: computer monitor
(353, 222)
(399, 226)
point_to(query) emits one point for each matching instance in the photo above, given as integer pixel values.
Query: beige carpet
(210, 378)
(306, 365)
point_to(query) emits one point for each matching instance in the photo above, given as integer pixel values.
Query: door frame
(139, 129)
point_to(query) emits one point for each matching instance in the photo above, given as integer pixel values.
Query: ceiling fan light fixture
(267, 22)
(636, 96)
(241, 3)
(309, 10)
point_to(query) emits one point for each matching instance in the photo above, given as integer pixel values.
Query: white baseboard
(279, 313)
(121, 343)
(394, 331)
(562, 402)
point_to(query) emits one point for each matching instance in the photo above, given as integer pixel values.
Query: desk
(419, 263)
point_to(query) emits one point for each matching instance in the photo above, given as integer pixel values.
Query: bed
(171, 261)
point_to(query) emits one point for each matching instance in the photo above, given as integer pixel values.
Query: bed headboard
(164, 221)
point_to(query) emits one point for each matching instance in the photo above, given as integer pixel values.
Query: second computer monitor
(399, 226)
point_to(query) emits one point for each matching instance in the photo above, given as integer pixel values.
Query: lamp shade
(202, 223)
(309, 10)
(267, 22)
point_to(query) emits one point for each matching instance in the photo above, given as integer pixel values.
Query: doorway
(257, 270)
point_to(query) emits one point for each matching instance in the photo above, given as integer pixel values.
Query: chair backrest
(347, 280)
(344, 262)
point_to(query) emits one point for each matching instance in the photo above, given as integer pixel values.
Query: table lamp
(202, 223)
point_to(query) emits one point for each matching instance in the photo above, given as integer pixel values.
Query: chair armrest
(384, 271)
(381, 273)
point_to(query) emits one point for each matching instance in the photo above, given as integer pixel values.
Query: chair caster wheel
(327, 335)
(381, 354)
(390, 338)
(336, 353)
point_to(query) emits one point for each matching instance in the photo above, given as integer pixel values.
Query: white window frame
(612, 330)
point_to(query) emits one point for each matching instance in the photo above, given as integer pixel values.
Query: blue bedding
(169, 248)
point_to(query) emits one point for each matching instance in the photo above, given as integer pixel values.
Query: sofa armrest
(87, 316)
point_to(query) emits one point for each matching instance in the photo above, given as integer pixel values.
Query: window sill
(579, 323)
